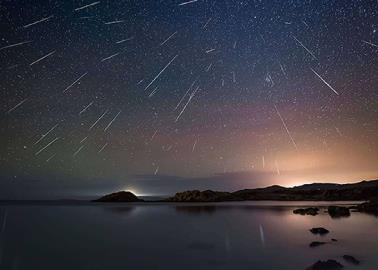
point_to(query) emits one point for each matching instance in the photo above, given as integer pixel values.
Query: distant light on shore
(136, 192)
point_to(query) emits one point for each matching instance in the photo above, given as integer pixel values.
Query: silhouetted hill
(121, 196)
(323, 186)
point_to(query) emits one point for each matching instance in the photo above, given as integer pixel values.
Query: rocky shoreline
(361, 191)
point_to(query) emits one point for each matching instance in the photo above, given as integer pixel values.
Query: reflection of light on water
(262, 236)
(227, 243)
(4, 223)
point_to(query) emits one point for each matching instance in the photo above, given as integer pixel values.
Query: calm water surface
(247, 235)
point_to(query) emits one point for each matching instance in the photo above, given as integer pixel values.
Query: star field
(163, 95)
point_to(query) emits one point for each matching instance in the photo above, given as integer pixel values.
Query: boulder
(338, 211)
(319, 230)
(370, 207)
(317, 243)
(326, 265)
(351, 259)
(313, 211)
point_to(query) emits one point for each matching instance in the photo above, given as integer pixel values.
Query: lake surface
(239, 235)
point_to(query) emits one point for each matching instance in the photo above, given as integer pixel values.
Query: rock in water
(351, 259)
(369, 207)
(320, 231)
(317, 243)
(121, 196)
(338, 211)
(313, 211)
(326, 265)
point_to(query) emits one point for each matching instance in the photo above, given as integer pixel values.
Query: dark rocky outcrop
(320, 230)
(313, 211)
(338, 211)
(121, 196)
(317, 243)
(201, 196)
(370, 207)
(326, 265)
(351, 259)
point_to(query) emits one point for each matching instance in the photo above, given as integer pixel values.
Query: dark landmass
(361, 191)
(370, 207)
(121, 196)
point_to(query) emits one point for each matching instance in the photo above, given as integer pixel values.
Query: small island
(121, 196)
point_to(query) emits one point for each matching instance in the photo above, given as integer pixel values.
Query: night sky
(161, 96)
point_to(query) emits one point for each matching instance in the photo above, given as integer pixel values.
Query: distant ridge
(364, 190)
(363, 183)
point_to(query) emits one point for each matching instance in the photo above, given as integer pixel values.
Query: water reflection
(120, 210)
(210, 209)
(196, 210)
(201, 245)
(3, 223)
(179, 236)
